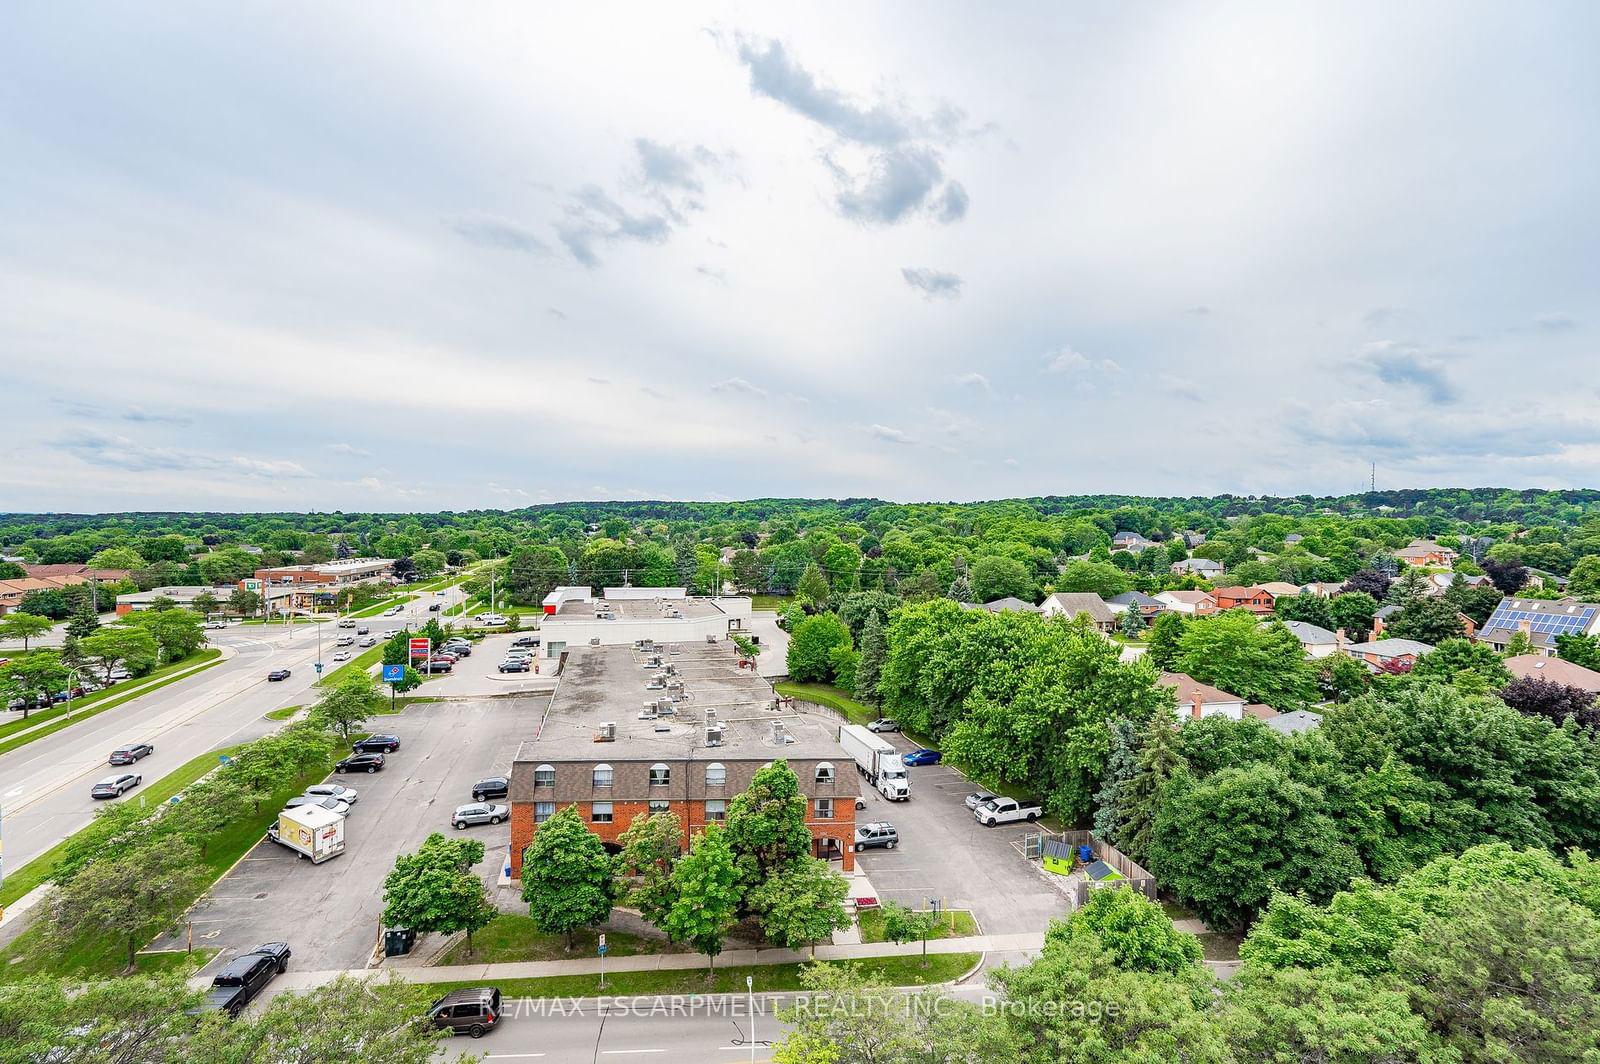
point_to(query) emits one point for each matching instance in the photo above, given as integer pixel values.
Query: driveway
(480, 674)
(944, 853)
(329, 913)
(774, 657)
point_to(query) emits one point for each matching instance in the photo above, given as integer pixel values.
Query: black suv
(475, 1011)
(376, 744)
(244, 977)
(493, 787)
(360, 763)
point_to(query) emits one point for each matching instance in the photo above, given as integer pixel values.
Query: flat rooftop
(610, 684)
(639, 609)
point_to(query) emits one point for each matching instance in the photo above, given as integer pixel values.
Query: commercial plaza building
(574, 617)
(678, 728)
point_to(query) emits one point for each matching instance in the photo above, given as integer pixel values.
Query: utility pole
(1373, 485)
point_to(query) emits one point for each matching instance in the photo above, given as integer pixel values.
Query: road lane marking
(508, 1056)
(622, 1052)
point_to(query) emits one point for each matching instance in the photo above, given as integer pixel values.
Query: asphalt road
(329, 913)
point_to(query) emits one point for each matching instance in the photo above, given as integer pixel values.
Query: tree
(566, 876)
(1166, 640)
(1132, 930)
(429, 563)
(1580, 650)
(1341, 678)
(650, 847)
(1292, 1014)
(811, 646)
(33, 679)
(1477, 602)
(123, 894)
(706, 895)
(116, 558)
(995, 577)
(960, 590)
(1473, 667)
(1508, 576)
(226, 566)
(108, 648)
(83, 621)
(1534, 696)
(244, 603)
(177, 632)
(1099, 578)
(1353, 611)
(348, 703)
(1427, 620)
(843, 662)
(135, 1020)
(1140, 797)
(813, 586)
(1312, 609)
(49, 602)
(24, 626)
(208, 807)
(869, 666)
(1122, 764)
(1132, 621)
(901, 924)
(1258, 662)
(766, 830)
(801, 905)
(860, 606)
(404, 569)
(1518, 645)
(205, 603)
(1584, 580)
(435, 889)
(1368, 582)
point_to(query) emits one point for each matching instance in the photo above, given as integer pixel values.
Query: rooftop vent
(595, 641)
(662, 728)
(607, 733)
(780, 735)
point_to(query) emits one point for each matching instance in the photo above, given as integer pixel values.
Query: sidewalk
(1031, 942)
(134, 688)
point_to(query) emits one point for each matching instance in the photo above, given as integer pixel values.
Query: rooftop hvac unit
(711, 639)
(656, 683)
(665, 707)
(669, 669)
(594, 642)
(648, 712)
(608, 732)
(713, 735)
(778, 734)
(674, 685)
(711, 714)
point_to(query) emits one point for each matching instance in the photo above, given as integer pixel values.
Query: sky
(425, 256)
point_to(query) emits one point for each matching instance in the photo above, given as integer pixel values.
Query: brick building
(1257, 600)
(615, 744)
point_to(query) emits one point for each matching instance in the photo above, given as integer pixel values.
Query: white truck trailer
(310, 831)
(877, 760)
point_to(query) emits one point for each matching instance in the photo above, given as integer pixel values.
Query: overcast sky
(426, 256)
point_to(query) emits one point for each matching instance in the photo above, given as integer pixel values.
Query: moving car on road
(479, 813)
(383, 744)
(360, 763)
(922, 756)
(244, 977)
(475, 1011)
(127, 755)
(493, 787)
(277, 674)
(879, 833)
(341, 655)
(369, 641)
(215, 624)
(114, 786)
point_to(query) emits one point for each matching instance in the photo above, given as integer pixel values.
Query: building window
(825, 773)
(543, 811)
(660, 775)
(716, 810)
(716, 774)
(544, 776)
(600, 812)
(660, 805)
(602, 775)
(824, 808)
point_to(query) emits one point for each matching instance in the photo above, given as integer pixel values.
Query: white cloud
(973, 380)
(889, 435)
(739, 386)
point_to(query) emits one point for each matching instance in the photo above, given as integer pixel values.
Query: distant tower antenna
(1374, 485)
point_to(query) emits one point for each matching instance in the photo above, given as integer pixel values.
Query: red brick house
(1255, 599)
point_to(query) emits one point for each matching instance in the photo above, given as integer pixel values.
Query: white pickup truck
(1005, 810)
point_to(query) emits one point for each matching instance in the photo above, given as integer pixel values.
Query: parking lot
(944, 853)
(329, 913)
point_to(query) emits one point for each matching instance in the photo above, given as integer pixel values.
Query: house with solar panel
(1541, 620)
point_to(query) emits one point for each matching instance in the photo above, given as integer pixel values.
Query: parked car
(479, 813)
(444, 664)
(515, 665)
(376, 744)
(922, 756)
(493, 787)
(525, 641)
(245, 976)
(1006, 810)
(977, 798)
(348, 795)
(332, 805)
(460, 650)
(475, 1011)
(445, 655)
(883, 724)
(277, 674)
(490, 619)
(127, 755)
(114, 786)
(360, 763)
(341, 655)
(879, 833)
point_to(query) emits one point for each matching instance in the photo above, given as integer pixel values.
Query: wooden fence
(1133, 875)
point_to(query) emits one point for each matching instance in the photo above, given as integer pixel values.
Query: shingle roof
(1556, 670)
(1279, 588)
(1391, 648)
(1133, 598)
(1194, 598)
(1191, 690)
(1310, 634)
(1010, 602)
(1073, 603)
(1299, 720)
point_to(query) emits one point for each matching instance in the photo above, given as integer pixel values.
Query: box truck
(876, 759)
(310, 831)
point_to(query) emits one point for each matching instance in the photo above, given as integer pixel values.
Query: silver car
(332, 805)
(345, 794)
(479, 813)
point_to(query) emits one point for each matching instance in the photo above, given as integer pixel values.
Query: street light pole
(750, 988)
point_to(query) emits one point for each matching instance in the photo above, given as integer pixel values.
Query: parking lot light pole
(750, 988)
(72, 678)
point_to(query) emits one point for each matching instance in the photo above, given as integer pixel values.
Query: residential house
(1422, 552)
(1556, 670)
(1191, 538)
(1193, 603)
(1293, 723)
(1323, 590)
(1439, 583)
(1381, 653)
(1292, 538)
(1538, 578)
(1317, 641)
(1279, 588)
(1541, 620)
(1255, 599)
(1147, 606)
(1002, 604)
(1072, 603)
(1204, 568)
(12, 592)
(82, 572)
(1197, 700)
(1130, 541)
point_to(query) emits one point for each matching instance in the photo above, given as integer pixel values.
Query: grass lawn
(174, 962)
(895, 971)
(827, 695)
(101, 701)
(955, 923)
(104, 956)
(512, 937)
(36, 871)
(777, 603)
(362, 661)
(285, 713)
